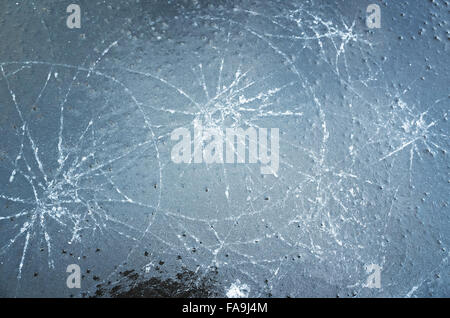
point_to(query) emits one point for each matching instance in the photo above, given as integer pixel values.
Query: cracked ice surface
(85, 170)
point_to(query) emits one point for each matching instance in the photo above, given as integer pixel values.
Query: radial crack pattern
(87, 178)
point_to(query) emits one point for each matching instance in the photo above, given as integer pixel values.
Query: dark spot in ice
(186, 284)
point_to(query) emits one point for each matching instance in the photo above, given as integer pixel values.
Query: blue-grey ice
(359, 206)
